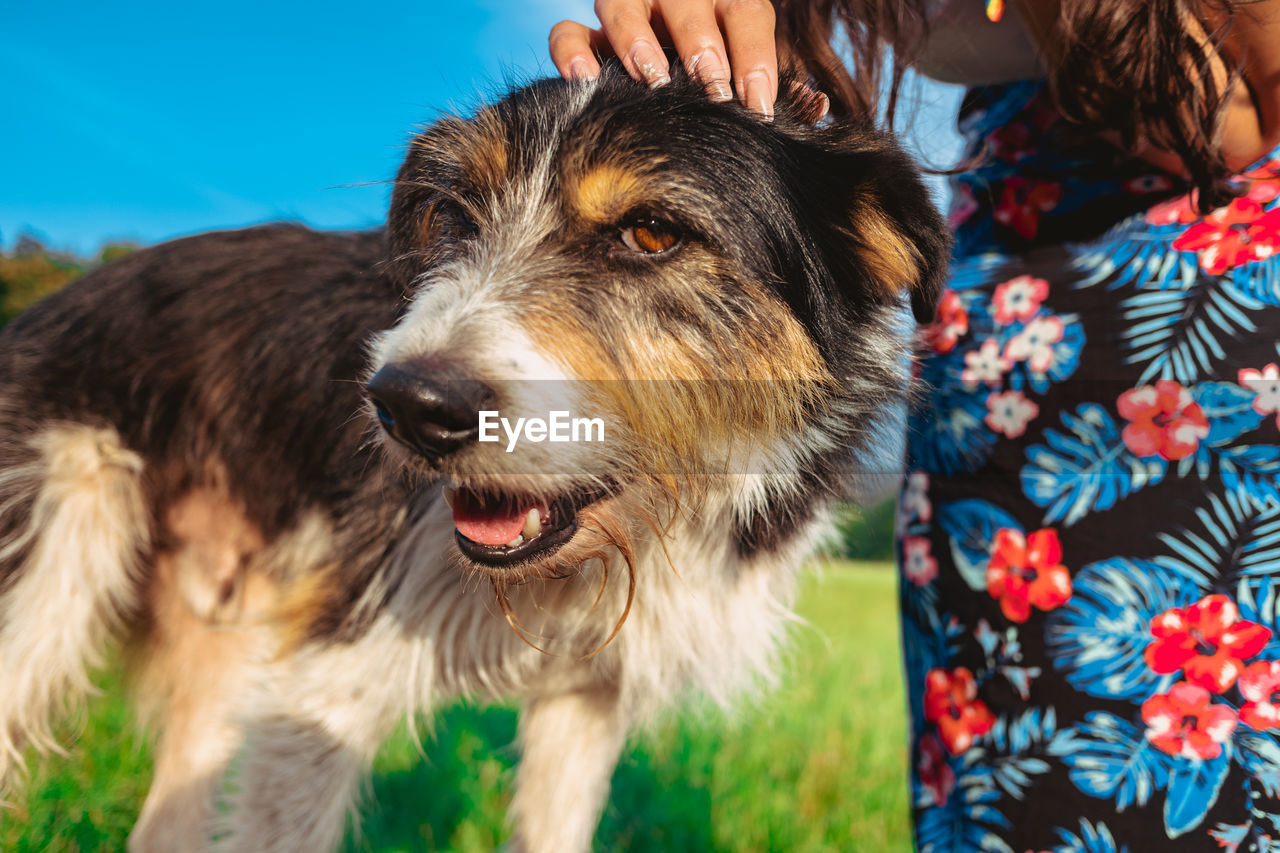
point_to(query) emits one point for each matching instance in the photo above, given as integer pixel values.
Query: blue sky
(144, 120)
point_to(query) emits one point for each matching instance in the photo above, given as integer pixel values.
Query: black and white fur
(189, 462)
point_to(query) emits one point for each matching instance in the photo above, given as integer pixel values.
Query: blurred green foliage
(31, 272)
(864, 532)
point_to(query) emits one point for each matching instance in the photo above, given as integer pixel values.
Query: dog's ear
(883, 234)
(899, 235)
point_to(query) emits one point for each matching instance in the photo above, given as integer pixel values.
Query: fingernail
(580, 69)
(650, 62)
(708, 67)
(756, 94)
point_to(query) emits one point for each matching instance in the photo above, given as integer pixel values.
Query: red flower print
(1260, 686)
(1184, 722)
(1027, 571)
(1165, 421)
(936, 775)
(1022, 202)
(985, 364)
(918, 562)
(951, 700)
(1034, 344)
(1264, 188)
(1018, 298)
(1175, 211)
(1232, 236)
(950, 323)
(1008, 413)
(1208, 641)
(1017, 139)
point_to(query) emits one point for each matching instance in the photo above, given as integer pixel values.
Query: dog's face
(695, 291)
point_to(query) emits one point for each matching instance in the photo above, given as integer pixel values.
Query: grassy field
(817, 766)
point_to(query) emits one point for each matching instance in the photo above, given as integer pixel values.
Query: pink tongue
(487, 525)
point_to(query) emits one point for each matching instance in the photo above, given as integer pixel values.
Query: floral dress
(1089, 530)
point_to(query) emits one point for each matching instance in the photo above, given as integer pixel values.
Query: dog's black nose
(433, 416)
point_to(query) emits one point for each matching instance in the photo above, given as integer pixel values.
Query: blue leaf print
(1110, 758)
(1198, 463)
(1235, 541)
(1258, 281)
(1092, 839)
(1193, 789)
(971, 527)
(1066, 352)
(975, 272)
(1098, 637)
(1260, 552)
(953, 439)
(999, 111)
(1234, 545)
(1259, 754)
(1253, 472)
(919, 601)
(1022, 740)
(1032, 729)
(965, 822)
(1136, 253)
(1229, 409)
(1085, 468)
(1175, 332)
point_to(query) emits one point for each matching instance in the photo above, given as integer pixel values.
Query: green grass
(818, 765)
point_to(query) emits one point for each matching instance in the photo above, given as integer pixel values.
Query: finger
(626, 24)
(696, 34)
(749, 30)
(573, 46)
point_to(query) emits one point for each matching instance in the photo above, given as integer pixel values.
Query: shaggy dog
(563, 431)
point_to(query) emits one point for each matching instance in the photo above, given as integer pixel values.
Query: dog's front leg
(194, 672)
(308, 746)
(571, 744)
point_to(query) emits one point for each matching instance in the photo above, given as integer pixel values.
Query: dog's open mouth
(505, 530)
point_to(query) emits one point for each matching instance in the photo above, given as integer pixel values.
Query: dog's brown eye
(460, 221)
(447, 219)
(650, 236)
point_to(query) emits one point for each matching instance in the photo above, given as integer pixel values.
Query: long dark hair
(1128, 66)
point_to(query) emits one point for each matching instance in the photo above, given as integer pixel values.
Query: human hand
(727, 44)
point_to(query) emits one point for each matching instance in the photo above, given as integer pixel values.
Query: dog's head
(667, 290)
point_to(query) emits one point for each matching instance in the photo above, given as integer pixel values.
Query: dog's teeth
(532, 524)
(449, 493)
(519, 540)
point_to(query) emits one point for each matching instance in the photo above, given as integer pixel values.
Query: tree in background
(31, 272)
